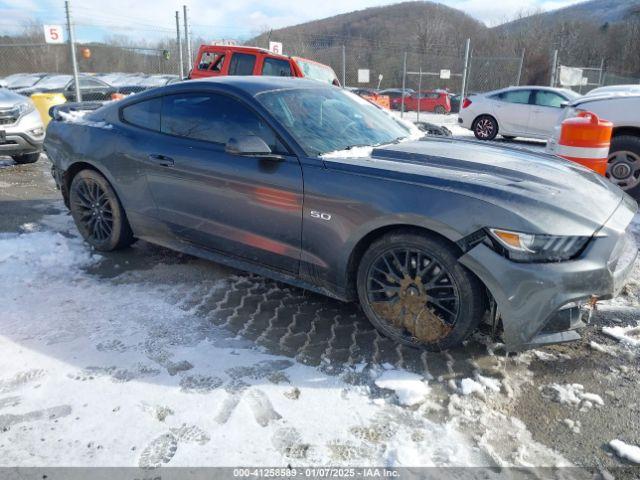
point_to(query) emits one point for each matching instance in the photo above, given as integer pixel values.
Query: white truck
(623, 109)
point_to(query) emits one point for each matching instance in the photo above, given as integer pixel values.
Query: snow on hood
(360, 152)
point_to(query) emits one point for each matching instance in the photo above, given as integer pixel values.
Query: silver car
(512, 112)
(21, 128)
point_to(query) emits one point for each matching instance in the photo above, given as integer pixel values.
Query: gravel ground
(546, 407)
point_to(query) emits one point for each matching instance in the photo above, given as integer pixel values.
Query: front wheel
(414, 291)
(623, 167)
(97, 212)
(485, 128)
(440, 110)
(26, 158)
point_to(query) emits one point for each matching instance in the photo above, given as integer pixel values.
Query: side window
(90, 83)
(211, 61)
(144, 114)
(516, 96)
(242, 64)
(276, 67)
(549, 99)
(213, 118)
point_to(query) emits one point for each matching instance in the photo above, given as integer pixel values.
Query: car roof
(253, 84)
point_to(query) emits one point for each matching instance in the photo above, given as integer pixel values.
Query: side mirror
(564, 104)
(248, 146)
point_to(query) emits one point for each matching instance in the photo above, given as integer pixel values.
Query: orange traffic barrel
(585, 139)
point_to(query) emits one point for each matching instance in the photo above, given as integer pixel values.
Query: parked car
(624, 154)
(455, 100)
(395, 96)
(371, 95)
(91, 88)
(436, 101)
(514, 112)
(21, 129)
(145, 83)
(263, 174)
(222, 60)
(22, 80)
(632, 88)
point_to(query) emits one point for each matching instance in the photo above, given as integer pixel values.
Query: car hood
(9, 98)
(549, 194)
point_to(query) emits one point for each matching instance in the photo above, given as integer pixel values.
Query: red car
(220, 60)
(436, 101)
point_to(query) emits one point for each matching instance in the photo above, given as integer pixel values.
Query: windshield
(324, 120)
(24, 81)
(127, 81)
(316, 71)
(54, 81)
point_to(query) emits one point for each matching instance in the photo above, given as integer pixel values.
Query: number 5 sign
(53, 34)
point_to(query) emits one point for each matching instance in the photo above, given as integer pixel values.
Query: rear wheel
(623, 168)
(97, 212)
(440, 110)
(485, 128)
(414, 291)
(26, 158)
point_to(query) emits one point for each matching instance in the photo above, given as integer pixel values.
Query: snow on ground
(119, 372)
(571, 394)
(630, 452)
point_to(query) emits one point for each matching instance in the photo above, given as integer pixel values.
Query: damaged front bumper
(539, 303)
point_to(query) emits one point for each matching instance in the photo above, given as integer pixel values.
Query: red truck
(217, 60)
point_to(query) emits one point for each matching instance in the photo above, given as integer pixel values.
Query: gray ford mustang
(311, 185)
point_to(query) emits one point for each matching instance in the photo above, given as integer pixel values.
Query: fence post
(72, 47)
(520, 68)
(600, 77)
(419, 90)
(187, 38)
(465, 69)
(554, 67)
(179, 45)
(344, 66)
(404, 84)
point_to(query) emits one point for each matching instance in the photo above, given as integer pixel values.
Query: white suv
(21, 128)
(622, 109)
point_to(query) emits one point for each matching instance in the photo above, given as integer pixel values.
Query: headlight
(570, 112)
(526, 247)
(24, 108)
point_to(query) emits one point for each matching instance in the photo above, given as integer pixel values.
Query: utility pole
(179, 45)
(187, 38)
(465, 70)
(601, 76)
(344, 66)
(419, 91)
(404, 84)
(72, 48)
(554, 67)
(520, 68)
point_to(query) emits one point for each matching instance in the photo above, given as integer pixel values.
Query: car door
(547, 107)
(512, 109)
(247, 207)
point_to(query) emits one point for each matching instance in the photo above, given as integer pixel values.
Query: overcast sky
(223, 19)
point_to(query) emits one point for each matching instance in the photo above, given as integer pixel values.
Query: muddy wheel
(485, 128)
(414, 291)
(98, 213)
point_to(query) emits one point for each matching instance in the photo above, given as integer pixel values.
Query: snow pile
(479, 384)
(571, 394)
(410, 388)
(624, 450)
(628, 336)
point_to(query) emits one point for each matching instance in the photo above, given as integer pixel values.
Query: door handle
(162, 160)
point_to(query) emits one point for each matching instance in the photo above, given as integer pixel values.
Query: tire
(26, 158)
(485, 127)
(623, 168)
(440, 110)
(405, 313)
(97, 212)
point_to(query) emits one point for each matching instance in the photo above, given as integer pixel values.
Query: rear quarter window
(145, 114)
